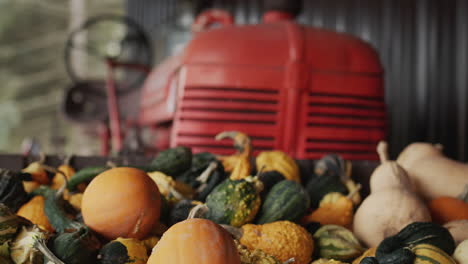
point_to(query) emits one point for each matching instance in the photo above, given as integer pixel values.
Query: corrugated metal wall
(423, 46)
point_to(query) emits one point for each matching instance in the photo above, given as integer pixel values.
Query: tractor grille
(203, 109)
(346, 124)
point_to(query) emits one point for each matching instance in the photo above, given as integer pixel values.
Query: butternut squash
(458, 229)
(390, 206)
(432, 174)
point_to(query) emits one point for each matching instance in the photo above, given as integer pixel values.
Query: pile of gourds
(186, 208)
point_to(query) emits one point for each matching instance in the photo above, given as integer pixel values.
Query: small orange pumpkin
(195, 241)
(446, 209)
(121, 202)
(34, 212)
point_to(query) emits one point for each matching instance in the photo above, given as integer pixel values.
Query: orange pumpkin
(195, 241)
(121, 202)
(34, 212)
(445, 209)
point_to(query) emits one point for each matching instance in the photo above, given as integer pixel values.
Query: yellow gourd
(335, 209)
(134, 251)
(280, 162)
(169, 187)
(239, 163)
(66, 169)
(368, 253)
(34, 212)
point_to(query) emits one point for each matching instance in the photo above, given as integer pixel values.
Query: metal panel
(423, 45)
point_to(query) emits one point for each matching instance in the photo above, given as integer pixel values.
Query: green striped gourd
(429, 254)
(287, 200)
(337, 242)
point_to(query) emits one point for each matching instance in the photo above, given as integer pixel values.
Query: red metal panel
(234, 76)
(347, 84)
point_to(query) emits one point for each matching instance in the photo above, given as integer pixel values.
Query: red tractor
(304, 90)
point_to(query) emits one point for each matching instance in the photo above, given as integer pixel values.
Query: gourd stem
(67, 159)
(244, 147)
(464, 195)
(355, 191)
(382, 150)
(42, 157)
(439, 146)
(207, 172)
(234, 231)
(194, 211)
(111, 164)
(40, 245)
(291, 260)
(65, 179)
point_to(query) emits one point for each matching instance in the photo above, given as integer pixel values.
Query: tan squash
(461, 253)
(433, 174)
(458, 229)
(391, 205)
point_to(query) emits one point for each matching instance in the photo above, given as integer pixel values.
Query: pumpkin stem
(194, 211)
(464, 195)
(237, 233)
(65, 179)
(291, 260)
(382, 150)
(40, 245)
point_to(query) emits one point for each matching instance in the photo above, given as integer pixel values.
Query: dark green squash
(172, 162)
(330, 165)
(414, 234)
(12, 193)
(269, 179)
(287, 200)
(181, 210)
(233, 202)
(84, 175)
(76, 247)
(318, 187)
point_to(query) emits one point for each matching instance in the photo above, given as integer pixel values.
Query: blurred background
(422, 44)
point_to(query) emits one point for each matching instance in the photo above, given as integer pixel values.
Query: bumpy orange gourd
(34, 212)
(281, 239)
(195, 241)
(121, 202)
(445, 209)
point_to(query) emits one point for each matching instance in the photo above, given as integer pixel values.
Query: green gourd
(172, 162)
(337, 242)
(287, 200)
(234, 202)
(84, 175)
